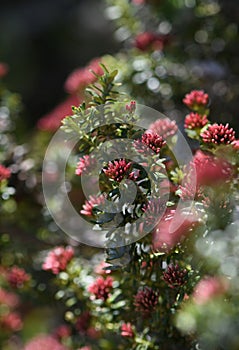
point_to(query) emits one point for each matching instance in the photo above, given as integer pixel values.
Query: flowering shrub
(167, 277)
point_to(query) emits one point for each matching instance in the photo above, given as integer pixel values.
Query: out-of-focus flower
(218, 134)
(118, 170)
(148, 40)
(11, 322)
(44, 342)
(101, 269)
(63, 331)
(164, 127)
(82, 77)
(85, 348)
(3, 69)
(195, 121)
(9, 299)
(150, 140)
(196, 99)
(5, 173)
(101, 288)
(209, 288)
(174, 276)
(146, 300)
(84, 164)
(127, 330)
(16, 277)
(90, 205)
(52, 120)
(83, 322)
(163, 239)
(57, 259)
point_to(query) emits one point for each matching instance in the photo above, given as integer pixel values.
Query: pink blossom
(208, 288)
(127, 330)
(101, 269)
(9, 299)
(84, 164)
(235, 145)
(16, 277)
(218, 134)
(148, 40)
(44, 342)
(118, 169)
(196, 99)
(63, 331)
(195, 121)
(57, 259)
(163, 238)
(101, 288)
(11, 321)
(52, 120)
(150, 140)
(164, 127)
(91, 204)
(5, 173)
(131, 107)
(82, 77)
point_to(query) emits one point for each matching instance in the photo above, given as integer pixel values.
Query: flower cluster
(146, 300)
(164, 127)
(174, 276)
(196, 99)
(218, 134)
(58, 259)
(101, 288)
(150, 140)
(118, 170)
(17, 277)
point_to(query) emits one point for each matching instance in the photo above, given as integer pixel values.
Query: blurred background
(42, 41)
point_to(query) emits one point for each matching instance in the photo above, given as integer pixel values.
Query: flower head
(84, 164)
(46, 342)
(57, 259)
(118, 169)
(101, 288)
(5, 173)
(82, 77)
(150, 140)
(146, 300)
(218, 134)
(164, 127)
(195, 121)
(174, 276)
(90, 205)
(196, 99)
(127, 330)
(16, 277)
